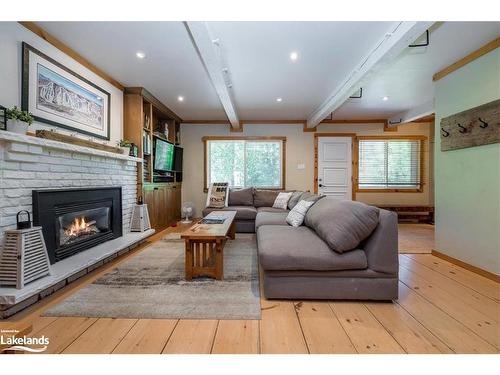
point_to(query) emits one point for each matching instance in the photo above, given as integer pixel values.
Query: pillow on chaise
(281, 200)
(294, 199)
(296, 216)
(241, 197)
(342, 224)
(310, 197)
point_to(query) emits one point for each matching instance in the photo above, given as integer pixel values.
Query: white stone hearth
(69, 267)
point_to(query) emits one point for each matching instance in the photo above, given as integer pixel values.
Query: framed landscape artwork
(3, 118)
(58, 96)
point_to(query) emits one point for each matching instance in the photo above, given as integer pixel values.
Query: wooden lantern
(139, 221)
(23, 258)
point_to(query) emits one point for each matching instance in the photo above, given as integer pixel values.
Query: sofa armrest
(381, 247)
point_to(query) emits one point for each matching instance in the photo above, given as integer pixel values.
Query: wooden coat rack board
(474, 127)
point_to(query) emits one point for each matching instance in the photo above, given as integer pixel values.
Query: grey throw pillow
(241, 197)
(310, 197)
(342, 224)
(264, 198)
(294, 199)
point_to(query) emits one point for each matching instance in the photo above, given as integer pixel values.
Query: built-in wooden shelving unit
(144, 117)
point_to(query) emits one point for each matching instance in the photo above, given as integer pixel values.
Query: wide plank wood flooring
(442, 308)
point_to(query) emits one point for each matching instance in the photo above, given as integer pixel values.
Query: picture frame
(3, 118)
(58, 96)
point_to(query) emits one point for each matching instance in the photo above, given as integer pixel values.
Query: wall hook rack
(462, 130)
(445, 133)
(473, 127)
(484, 124)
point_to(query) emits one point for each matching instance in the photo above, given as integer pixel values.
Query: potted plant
(125, 146)
(18, 121)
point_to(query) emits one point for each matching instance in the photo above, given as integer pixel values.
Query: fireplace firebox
(74, 220)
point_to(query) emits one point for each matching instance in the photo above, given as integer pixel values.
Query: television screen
(178, 159)
(164, 155)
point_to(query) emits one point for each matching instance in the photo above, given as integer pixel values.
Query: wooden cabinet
(143, 116)
(164, 204)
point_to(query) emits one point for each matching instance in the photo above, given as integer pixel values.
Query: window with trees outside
(244, 162)
(390, 164)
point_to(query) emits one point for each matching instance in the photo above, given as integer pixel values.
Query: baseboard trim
(467, 266)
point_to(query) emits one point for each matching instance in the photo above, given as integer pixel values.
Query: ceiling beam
(210, 57)
(393, 43)
(420, 111)
(284, 122)
(354, 121)
(494, 44)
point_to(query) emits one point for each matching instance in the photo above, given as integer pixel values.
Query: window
(389, 164)
(244, 162)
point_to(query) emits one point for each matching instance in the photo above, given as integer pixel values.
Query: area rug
(152, 285)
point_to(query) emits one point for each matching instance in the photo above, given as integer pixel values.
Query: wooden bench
(421, 214)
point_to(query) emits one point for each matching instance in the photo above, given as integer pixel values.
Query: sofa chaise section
(297, 264)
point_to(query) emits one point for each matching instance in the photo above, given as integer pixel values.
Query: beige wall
(299, 150)
(12, 34)
(468, 180)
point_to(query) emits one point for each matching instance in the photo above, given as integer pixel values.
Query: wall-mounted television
(163, 155)
(178, 159)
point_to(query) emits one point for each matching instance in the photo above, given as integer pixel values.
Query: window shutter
(389, 164)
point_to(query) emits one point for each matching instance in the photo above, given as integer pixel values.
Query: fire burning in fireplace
(80, 227)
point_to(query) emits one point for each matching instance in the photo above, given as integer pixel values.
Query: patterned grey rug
(151, 285)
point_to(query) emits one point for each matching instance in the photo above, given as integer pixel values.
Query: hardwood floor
(442, 308)
(415, 238)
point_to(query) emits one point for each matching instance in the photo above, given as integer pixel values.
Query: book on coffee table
(213, 220)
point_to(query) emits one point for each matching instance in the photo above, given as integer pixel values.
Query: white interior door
(335, 167)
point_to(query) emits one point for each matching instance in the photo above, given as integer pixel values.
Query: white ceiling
(260, 70)
(171, 67)
(408, 80)
(257, 54)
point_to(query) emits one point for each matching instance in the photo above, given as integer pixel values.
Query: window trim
(244, 138)
(420, 138)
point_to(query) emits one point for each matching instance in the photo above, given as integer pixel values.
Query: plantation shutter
(387, 164)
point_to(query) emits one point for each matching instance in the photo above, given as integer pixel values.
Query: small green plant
(15, 113)
(124, 143)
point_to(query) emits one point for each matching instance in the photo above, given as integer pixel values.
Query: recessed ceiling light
(279, 100)
(180, 98)
(385, 98)
(140, 54)
(294, 56)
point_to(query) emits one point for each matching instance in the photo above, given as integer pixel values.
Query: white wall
(467, 181)
(299, 150)
(12, 34)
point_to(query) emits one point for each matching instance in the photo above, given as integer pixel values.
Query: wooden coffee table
(205, 246)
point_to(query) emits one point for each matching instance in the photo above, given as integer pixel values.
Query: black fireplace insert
(74, 220)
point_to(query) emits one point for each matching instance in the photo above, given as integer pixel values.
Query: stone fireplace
(83, 198)
(74, 220)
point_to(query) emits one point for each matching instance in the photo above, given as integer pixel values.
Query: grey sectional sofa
(299, 262)
(248, 203)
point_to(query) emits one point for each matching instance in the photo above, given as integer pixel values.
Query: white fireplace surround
(28, 163)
